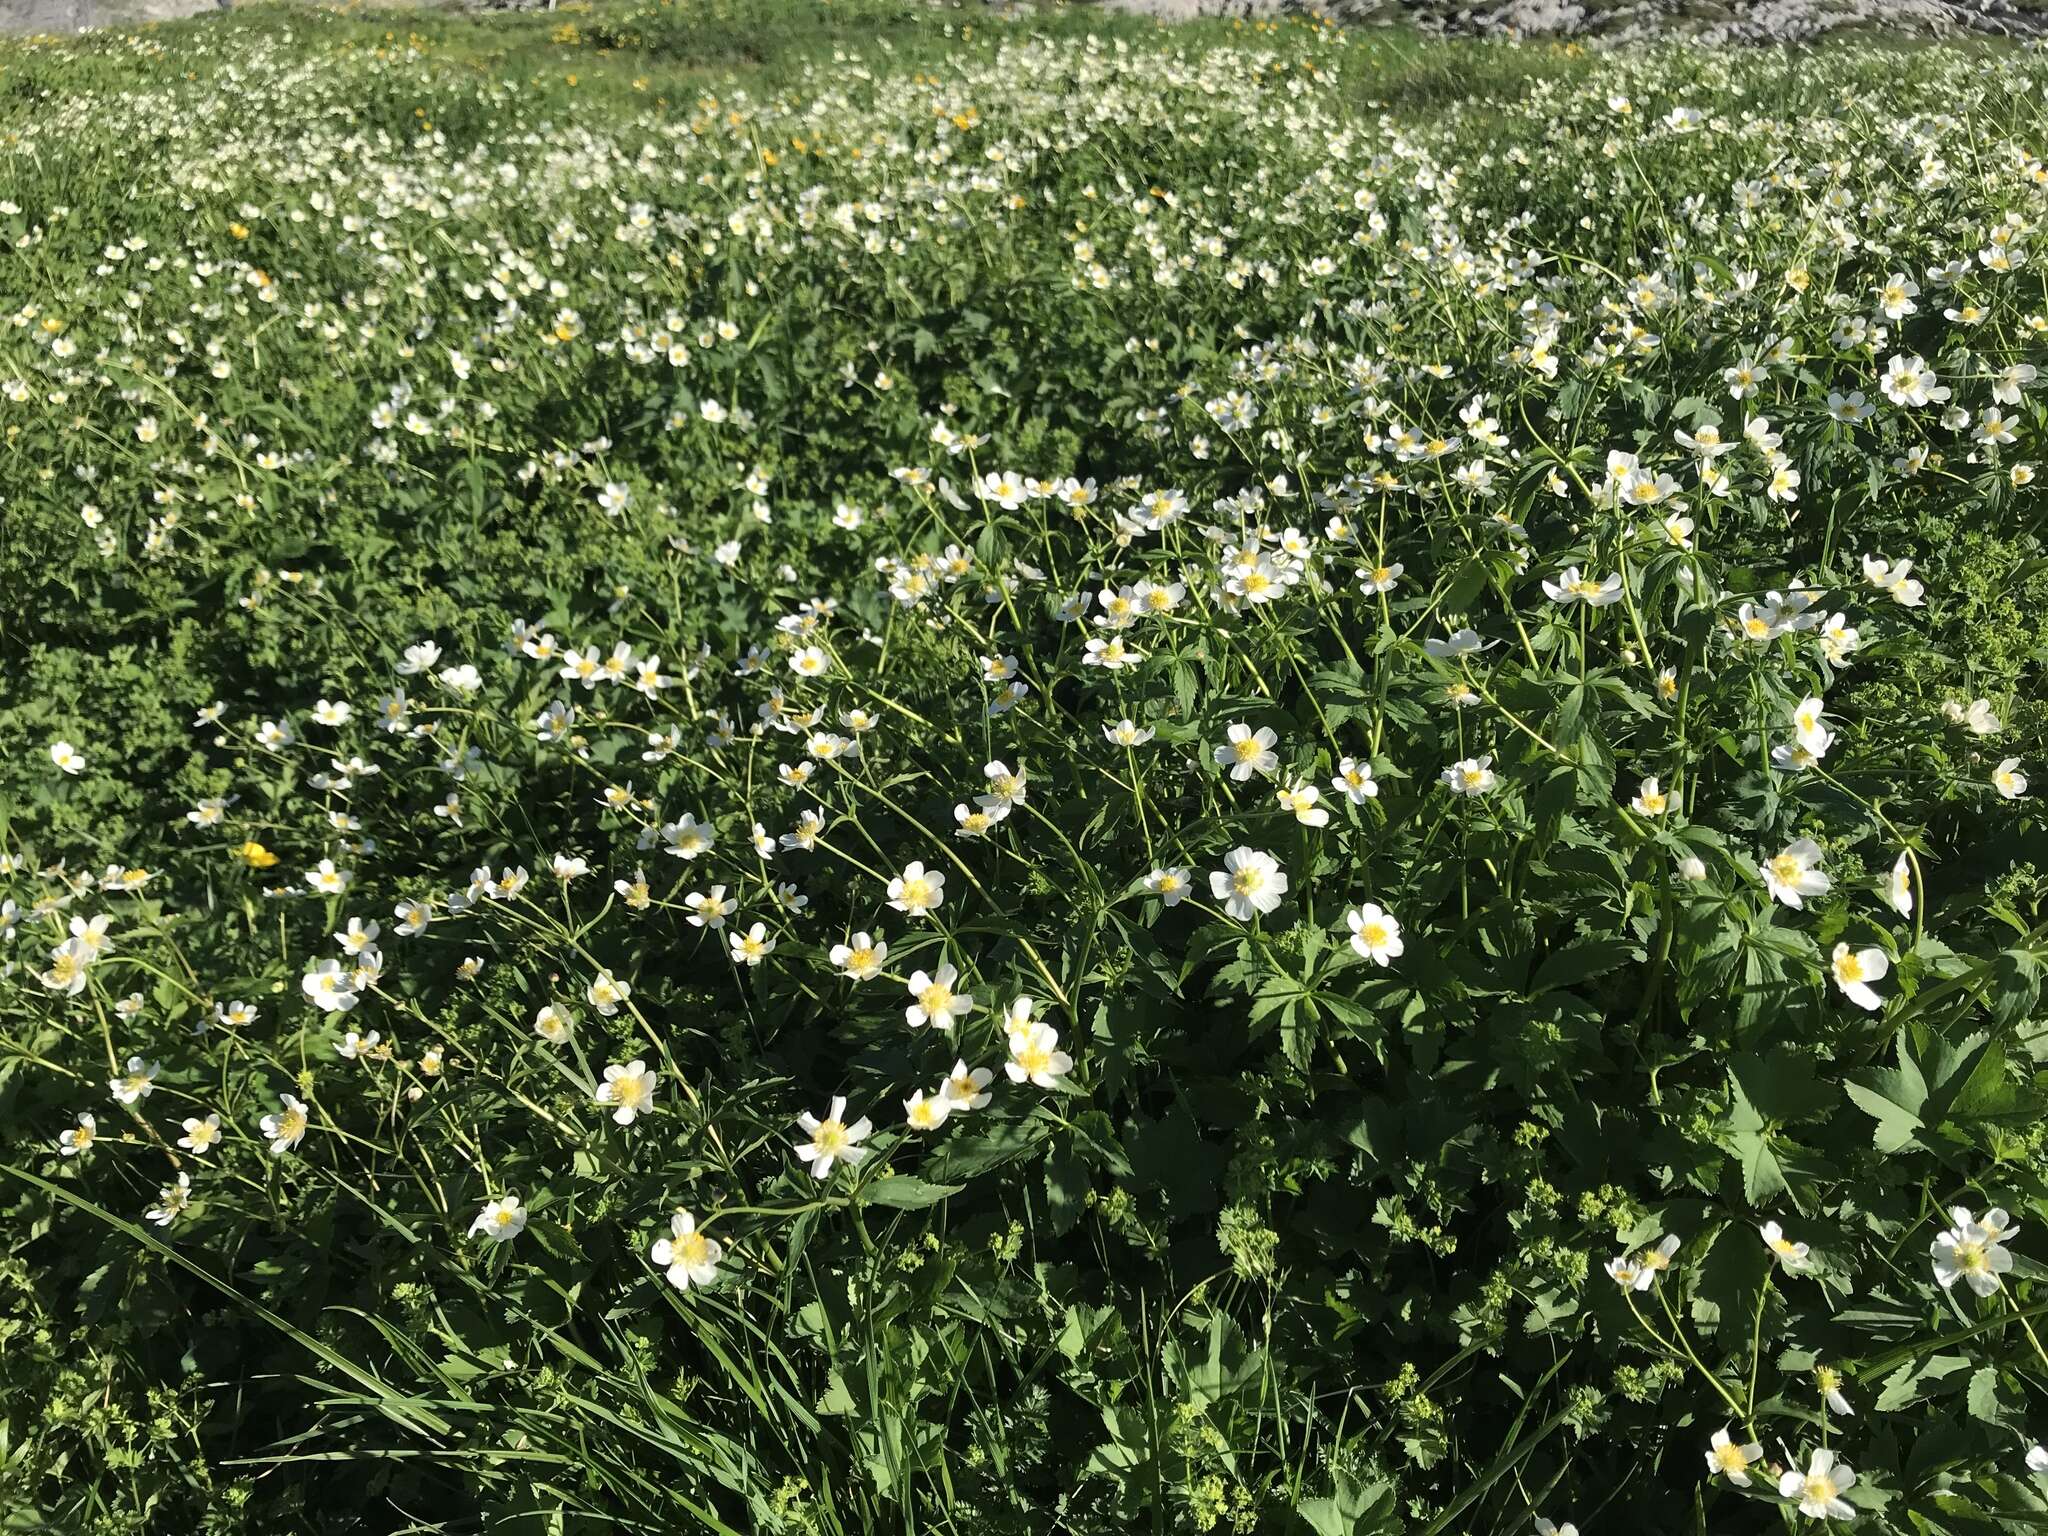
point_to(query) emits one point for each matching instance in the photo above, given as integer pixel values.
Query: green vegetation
(800, 768)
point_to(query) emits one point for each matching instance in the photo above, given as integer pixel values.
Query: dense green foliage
(1356, 591)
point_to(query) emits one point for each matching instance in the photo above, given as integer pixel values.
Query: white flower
(1979, 718)
(708, 909)
(1470, 776)
(861, 957)
(917, 891)
(1639, 1274)
(136, 1084)
(500, 1220)
(2037, 1458)
(1899, 887)
(832, 1141)
(1249, 882)
(628, 1091)
(606, 993)
(67, 757)
(1973, 1251)
(1111, 654)
(1125, 733)
(1247, 752)
(2007, 779)
(1650, 799)
(926, 1114)
(1169, 885)
(1005, 789)
(355, 1046)
(686, 1255)
(1897, 581)
(966, 1089)
(1354, 781)
(1571, 587)
(1855, 970)
(553, 1023)
(1300, 799)
(1819, 1488)
(1808, 725)
(1035, 1057)
(1462, 642)
(328, 880)
(330, 988)
(78, 1138)
(357, 937)
(933, 1002)
(1376, 579)
(1795, 874)
(171, 1200)
(1732, 1460)
(285, 1129)
(1375, 934)
(200, 1135)
(1791, 1256)
(753, 946)
(418, 658)
(688, 837)
(69, 962)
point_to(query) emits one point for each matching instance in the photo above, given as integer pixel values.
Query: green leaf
(1353, 1509)
(907, 1192)
(1898, 1126)
(1581, 961)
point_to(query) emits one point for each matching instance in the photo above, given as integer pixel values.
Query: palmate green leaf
(1783, 1085)
(1750, 1138)
(1893, 1099)
(1352, 1509)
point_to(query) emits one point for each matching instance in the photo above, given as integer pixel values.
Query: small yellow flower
(255, 855)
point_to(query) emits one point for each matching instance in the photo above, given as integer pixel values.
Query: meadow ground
(779, 766)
